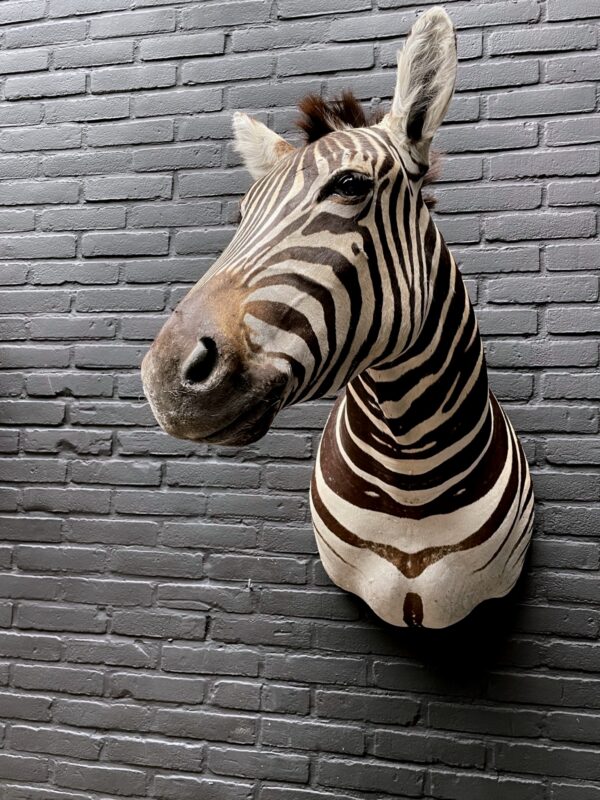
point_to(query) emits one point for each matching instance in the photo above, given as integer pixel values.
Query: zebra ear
(425, 83)
(260, 147)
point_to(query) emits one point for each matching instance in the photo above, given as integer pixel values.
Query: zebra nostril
(201, 362)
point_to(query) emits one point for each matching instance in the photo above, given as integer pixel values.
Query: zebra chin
(236, 410)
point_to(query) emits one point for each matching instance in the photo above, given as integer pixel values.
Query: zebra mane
(320, 117)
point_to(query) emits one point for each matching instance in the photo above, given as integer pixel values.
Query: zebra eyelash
(335, 181)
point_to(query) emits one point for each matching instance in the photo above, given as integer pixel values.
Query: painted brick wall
(166, 628)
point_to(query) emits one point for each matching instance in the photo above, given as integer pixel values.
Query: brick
(497, 73)
(45, 34)
(93, 54)
(313, 736)
(167, 214)
(59, 559)
(274, 36)
(203, 597)
(23, 61)
(541, 163)
(33, 470)
(344, 671)
(126, 133)
(23, 768)
(149, 562)
(154, 752)
(207, 725)
(239, 695)
(15, 12)
(51, 617)
(39, 192)
(84, 442)
(118, 780)
(123, 244)
(44, 86)
(540, 102)
(59, 679)
(263, 631)
(485, 137)
(540, 39)
(32, 411)
(223, 14)
(562, 9)
(29, 587)
(572, 131)
(249, 763)
(573, 193)
(571, 386)
(504, 197)
(564, 761)
(541, 290)
(572, 69)
(154, 687)
(573, 321)
(456, 785)
(21, 114)
(59, 327)
(518, 227)
(427, 747)
(87, 109)
(62, 219)
(60, 137)
(207, 70)
(138, 22)
(273, 507)
(102, 715)
(103, 591)
(68, 8)
(571, 791)
(182, 46)
(174, 787)
(307, 603)
(115, 472)
(139, 187)
(499, 13)
(55, 741)
(216, 660)
(184, 101)
(359, 775)
(32, 647)
(177, 157)
(126, 79)
(25, 706)
(576, 256)
(122, 654)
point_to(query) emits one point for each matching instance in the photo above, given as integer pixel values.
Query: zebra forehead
(345, 147)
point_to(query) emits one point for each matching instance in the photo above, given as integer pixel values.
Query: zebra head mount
(337, 278)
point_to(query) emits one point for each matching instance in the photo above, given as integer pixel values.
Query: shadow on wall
(463, 653)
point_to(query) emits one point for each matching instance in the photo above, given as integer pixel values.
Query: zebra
(338, 281)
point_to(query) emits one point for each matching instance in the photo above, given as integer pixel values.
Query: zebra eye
(348, 184)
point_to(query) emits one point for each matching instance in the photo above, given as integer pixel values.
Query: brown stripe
(413, 610)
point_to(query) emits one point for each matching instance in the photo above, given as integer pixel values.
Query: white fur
(426, 77)
(260, 147)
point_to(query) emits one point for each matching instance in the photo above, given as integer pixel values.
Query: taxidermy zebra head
(324, 277)
(338, 278)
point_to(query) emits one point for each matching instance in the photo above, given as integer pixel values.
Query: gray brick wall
(166, 629)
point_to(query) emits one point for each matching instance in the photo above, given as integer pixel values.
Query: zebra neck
(433, 398)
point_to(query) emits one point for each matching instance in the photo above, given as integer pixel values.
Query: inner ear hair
(425, 83)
